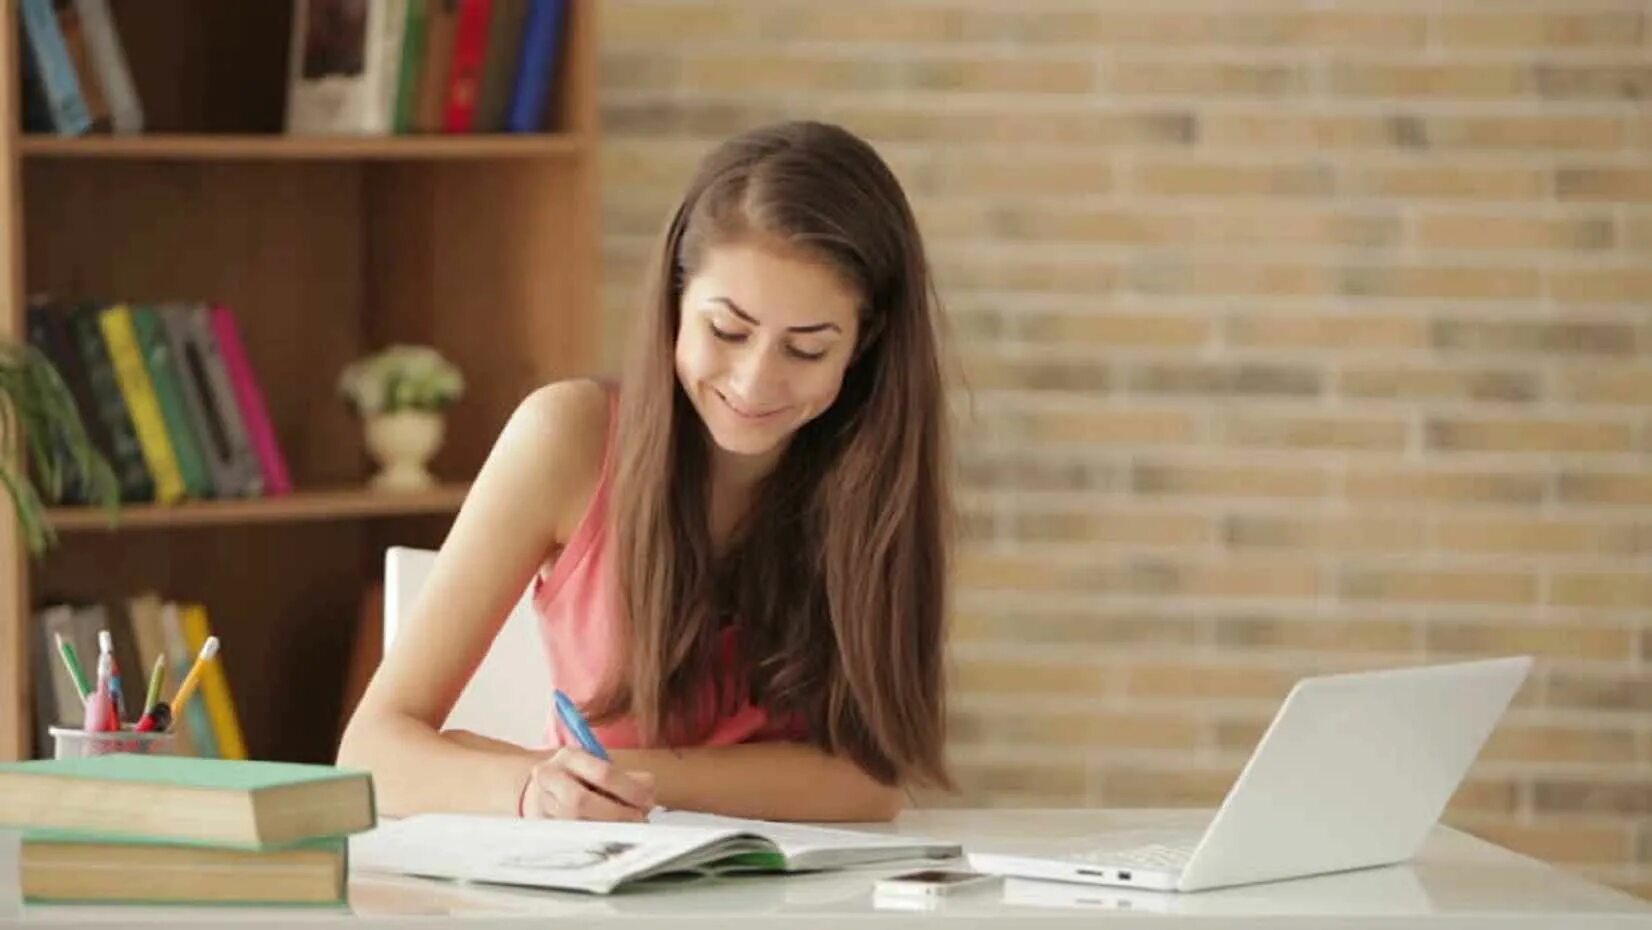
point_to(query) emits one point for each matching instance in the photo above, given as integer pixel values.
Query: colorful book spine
(530, 109)
(141, 402)
(191, 719)
(412, 66)
(215, 694)
(163, 374)
(204, 354)
(126, 455)
(69, 23)
(464, 79)
(499, 67)
(250, 399)
(53, 69)
(109, 61)
(440, 25)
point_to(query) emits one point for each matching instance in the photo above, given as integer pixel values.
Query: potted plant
(44, 449)
(401, 393)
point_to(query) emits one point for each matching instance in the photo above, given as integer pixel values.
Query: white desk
(1458, 882)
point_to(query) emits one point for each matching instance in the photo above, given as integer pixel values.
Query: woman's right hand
(574, 785)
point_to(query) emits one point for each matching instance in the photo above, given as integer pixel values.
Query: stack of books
(162, 830)
(168, 395)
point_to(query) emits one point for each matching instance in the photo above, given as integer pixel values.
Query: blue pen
(575, 722)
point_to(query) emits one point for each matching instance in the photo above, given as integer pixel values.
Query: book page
(811, 847)
(573, 854)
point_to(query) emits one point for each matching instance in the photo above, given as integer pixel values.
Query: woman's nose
(754, 374)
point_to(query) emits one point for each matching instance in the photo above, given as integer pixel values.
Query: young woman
(738, 554)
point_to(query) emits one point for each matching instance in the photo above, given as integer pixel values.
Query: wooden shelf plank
(224, 147)
(317, 505)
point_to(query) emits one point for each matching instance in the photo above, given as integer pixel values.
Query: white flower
(401, 377)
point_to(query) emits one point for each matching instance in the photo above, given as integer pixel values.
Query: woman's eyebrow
(810, 328)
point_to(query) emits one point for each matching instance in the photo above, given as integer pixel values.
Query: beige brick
(1014, 471)
(1003, 75)
(1028, 676)
(1144, 730)
(1163, 275)
(1438, 586)
(1639, 232)
(1528, 30)
(1228, 27)
(632, 165)
(1528, 435)
(1316, 533)
(1558, 641)
(1606, 488)
(1177, 786)
(1594, 82)
(1047, 221)
(1274, 225)
(1593, 746)
(985, 569)
(1539, 338)
(1019, 372)
(1207, 681)
(1029, 274)
(896, 121)
(1083, 629)
(1535, 536)
(1134, 77)
(1246, 481)
(1494, 231)
(1454, 80)
(1486, 795)
(1604, 185)
(1434, 178)
(1134, 527)
(624, 23)
(1424, 487)
(1557, 842)
(1055, 782)
(825, 22)
(1602, 589)
(1428, 383)
(1107, 426)
(1235, 580)
(1314, 634)
(1354, 331)
(1461, 283)
(1214, 179)
(1601, 796)
(1314, 432)
(1027, 174)
(1118, 330)
(1249, 379)
(1312, 131)
(739, 71)
(1613, 691)
(1604, 285)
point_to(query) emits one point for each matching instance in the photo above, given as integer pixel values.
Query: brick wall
(1302, 336)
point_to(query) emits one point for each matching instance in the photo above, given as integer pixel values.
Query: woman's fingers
(625, 787)
(565, 797)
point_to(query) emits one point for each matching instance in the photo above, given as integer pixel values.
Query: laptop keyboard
(1165, 856)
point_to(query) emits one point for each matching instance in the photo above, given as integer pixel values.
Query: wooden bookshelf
(326, 248)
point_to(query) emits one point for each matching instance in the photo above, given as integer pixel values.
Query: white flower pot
(403, 444)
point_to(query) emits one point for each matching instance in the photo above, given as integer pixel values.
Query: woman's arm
(532, 489)
(766, 781)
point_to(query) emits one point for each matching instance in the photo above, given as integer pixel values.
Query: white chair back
(509, 696)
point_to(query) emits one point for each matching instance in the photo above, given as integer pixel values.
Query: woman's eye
(725, 335)
(806, 356)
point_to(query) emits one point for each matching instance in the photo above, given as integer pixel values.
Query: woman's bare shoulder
(560, 433)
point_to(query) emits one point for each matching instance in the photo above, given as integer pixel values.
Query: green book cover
(181, 771)
(127, 458)
(163, 372)
(412, 64)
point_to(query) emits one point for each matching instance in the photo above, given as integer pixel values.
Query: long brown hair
(836, 578)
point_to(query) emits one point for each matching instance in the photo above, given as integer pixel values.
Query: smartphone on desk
(931, 883)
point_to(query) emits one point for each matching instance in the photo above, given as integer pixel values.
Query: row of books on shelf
(424, 66)
(145, 829)
(167, 394)
(142, 628)
(366, 67)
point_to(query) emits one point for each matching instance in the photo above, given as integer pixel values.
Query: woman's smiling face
(763, 341)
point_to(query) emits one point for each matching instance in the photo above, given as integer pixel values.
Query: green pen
(66, 649)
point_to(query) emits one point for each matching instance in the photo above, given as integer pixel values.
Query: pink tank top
(577, 599)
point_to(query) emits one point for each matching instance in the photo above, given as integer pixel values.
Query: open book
(582, 855)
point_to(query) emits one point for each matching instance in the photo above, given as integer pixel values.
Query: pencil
(187, 689)
(157, 681)
(77, 674)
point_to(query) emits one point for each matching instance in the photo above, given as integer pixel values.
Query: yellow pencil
(187, 689)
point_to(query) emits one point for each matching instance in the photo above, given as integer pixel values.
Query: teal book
(214, 802)
(66, 867)
(163, 374)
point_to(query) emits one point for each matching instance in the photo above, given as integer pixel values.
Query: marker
(100, 709)
(77, 674)
(187, 689)
(575, 722)
(106, 647)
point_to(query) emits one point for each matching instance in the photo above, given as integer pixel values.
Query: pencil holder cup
(70, 743)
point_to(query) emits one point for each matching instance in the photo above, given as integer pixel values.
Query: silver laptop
(1353, 772)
